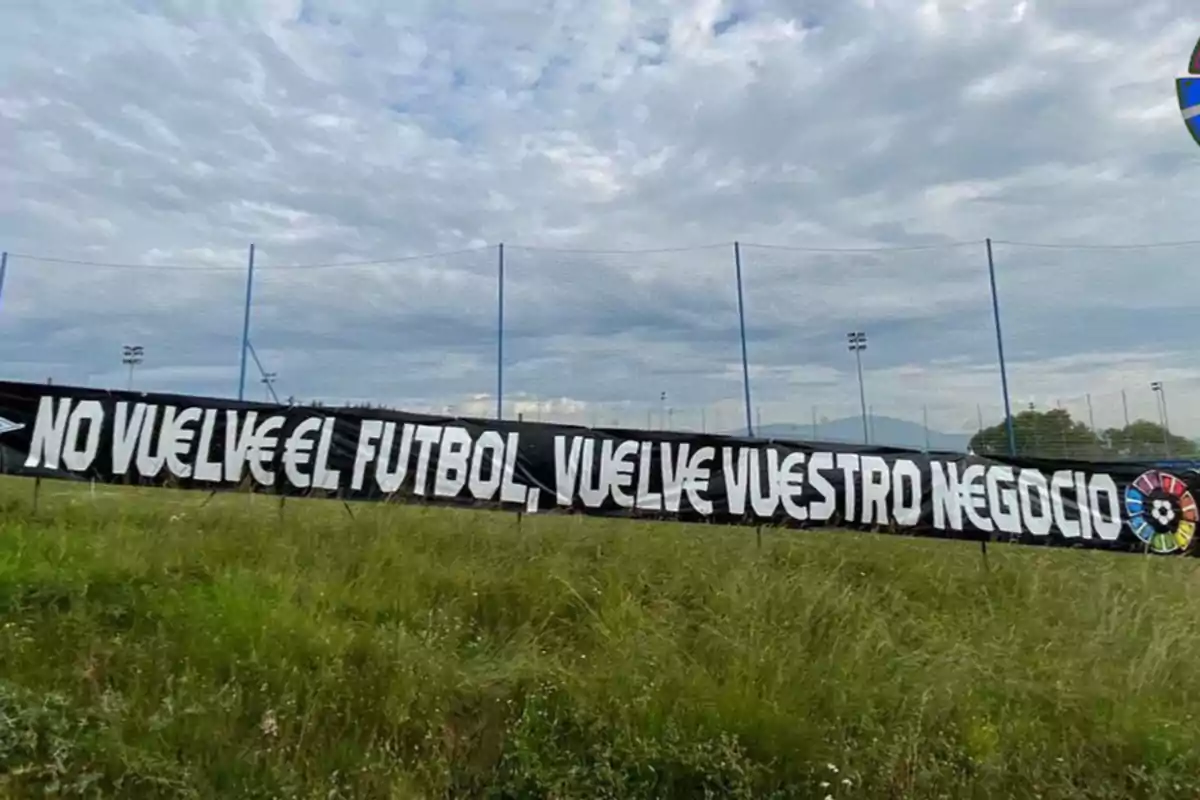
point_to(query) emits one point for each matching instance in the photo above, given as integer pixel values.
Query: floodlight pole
(737, 263)
(858, 343)
(1008, 418)
(246, 323)
(500, 332)
(131, 356)
(1161, 396)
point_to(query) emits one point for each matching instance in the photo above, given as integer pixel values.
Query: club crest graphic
(1161, 510)
(1188, 89)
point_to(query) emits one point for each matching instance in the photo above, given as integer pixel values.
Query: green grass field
(154, 646)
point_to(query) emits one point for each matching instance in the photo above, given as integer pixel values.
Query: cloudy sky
(377, 154)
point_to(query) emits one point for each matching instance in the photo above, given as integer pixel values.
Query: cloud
(859, 151)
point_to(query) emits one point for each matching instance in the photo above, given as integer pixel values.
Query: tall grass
(153, 646)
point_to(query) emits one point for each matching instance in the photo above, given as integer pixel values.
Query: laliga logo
(1162, 511)
(1189, 95)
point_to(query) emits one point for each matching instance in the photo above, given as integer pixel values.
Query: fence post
(3, 270)
(1008, 420)
(737, 263)
(500, 332)
(246, 323)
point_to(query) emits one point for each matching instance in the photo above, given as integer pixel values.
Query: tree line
(1054, 433)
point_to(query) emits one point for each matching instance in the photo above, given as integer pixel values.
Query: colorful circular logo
(1188, 89)
(1161, 511)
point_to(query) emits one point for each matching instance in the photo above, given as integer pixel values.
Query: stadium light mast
(131, 356)
(268, 379)
(858, 342)
(1161, 397)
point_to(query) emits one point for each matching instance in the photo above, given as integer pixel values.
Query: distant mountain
(886, 431)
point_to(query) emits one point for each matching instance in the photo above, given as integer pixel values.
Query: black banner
(360, 454)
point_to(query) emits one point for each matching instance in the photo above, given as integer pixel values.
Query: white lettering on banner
(947, 512)
(1081, 500)
(762, 482)
(620, 467)
(736, 478)
(1032, 487)
(151, 441)
(618, 471)
(592, 490)
(566, 468)
(205, 469)
(237, 443)
(695, 480)
(82, 443)
(973, 497)
(488, 458)
(997, 497)
(646, 499)
(149, 465)
(877, 485)
(126, 429)
(390, 479)
(49, 430)
(792, 486)
(324, 476)
(1102, 489)
(262, 450)
(510, 490)
(57, 434)
(1002, 499)
(675, 470)
(450, 478)
(298, 451)
(426, 437)
(848, 464)
(179, 443)
(377, 445)
(367, 452)
(146, 438)
(818, 464)
(906, 483)
(1060, 480)
(485, 465)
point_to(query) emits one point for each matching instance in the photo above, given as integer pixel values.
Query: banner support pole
(246, 323)
(1008, 420)
(737, 263)
(500, 332)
